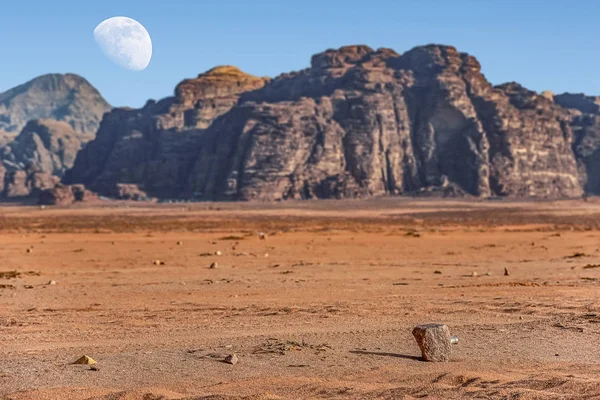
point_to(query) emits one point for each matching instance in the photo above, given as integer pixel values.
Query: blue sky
(544, 45)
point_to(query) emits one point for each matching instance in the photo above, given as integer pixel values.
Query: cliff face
(361, 122)
(585, 123)
(358, 122)
(154, 147)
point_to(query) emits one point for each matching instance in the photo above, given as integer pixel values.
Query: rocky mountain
(358, 122)
(62, 97)
(56, 115)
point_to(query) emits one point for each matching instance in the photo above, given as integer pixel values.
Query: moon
(125, 42)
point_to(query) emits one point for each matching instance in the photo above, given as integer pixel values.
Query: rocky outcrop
(361, 122)
(47, 145)
(154, 147)
(358, 122)
(24, 183)
(62, 195)
(68, 98)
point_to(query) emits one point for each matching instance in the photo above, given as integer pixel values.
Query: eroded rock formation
(358, 122)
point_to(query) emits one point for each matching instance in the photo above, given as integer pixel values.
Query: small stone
(52, 283)
(474, 274)
(506, 273)
(158, 262)
(29, 250)
(437, 272)
(262, 236)
(488, 274)
(85, 360)
(434, 342)
(218, 253)
(232, 359)
(179, 243)
(266, 255)
(213, 265)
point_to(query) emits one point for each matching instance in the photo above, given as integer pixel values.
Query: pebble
(218, 253)
(474, 274)
(232, 359)
(52, 283)
(179, 243)
(488, 274)
(213, 265)
(434, 342)
(159, 262)
(30, 250)
(506, 273)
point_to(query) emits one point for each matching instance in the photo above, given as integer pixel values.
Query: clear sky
(542, 44)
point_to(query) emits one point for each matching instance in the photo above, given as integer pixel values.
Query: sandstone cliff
(358, 122)
(155, 147)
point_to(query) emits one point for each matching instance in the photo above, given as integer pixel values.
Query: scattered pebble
(232, 359)
(158, 262)
(213, 265)
(488, 274)
(437, 272)
(179, 243)
(52, 283)
(506, 273)
(474, 274)
(218, 253)
(29, 250)
(262, 236)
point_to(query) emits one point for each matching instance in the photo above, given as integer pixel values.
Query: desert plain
(316, 299)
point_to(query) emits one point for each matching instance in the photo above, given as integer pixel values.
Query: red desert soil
(321, 309)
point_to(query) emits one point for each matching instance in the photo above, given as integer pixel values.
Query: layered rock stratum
(359, 122)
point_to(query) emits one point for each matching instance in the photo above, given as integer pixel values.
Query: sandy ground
(322, 309)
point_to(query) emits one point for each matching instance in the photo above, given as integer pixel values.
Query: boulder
(434, 342)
